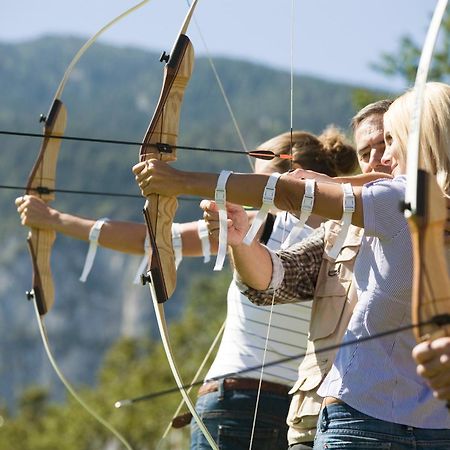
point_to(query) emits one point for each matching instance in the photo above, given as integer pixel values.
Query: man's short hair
(379, 107)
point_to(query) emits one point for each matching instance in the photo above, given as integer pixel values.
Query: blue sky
(332, 39)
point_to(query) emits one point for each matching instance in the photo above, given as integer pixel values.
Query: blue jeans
(228, 415)
(342, 427)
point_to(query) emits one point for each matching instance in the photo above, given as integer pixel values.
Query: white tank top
(244, 338)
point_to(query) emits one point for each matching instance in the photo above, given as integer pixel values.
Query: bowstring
(222, 90)
(263, 362)
(291, 128)
(193, 383)
(68, 385)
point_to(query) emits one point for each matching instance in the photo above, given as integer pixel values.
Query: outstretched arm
(127, 237)
(355, 180)
(155, 176)
(122, 236)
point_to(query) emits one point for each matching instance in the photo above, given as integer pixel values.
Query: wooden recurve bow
(160, 143)
(41, 182)
(427, 213)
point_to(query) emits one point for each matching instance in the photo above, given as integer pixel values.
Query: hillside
(112, 94)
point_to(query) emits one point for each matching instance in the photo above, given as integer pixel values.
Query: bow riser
(41, 181)
(162, 132)
(158, 210)
(431, 285)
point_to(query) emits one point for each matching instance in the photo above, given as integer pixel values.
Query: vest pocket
(305, 403)
(331, 295)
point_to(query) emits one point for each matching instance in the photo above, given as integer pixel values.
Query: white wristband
(268, 198)
(220, 199)
(94, 234)
(144, 261)
(177, 244)
(203, 234)
(349, 209)
(305, 212)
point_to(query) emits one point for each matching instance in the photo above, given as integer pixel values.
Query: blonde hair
(435, 129)
(330, 153)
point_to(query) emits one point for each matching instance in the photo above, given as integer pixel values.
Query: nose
(386, 158)
(376, 157)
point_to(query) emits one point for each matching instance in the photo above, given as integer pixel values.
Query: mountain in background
(111, 94)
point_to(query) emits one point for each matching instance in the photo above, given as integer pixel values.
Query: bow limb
(194, 381)
(426, 212)
(162, 326)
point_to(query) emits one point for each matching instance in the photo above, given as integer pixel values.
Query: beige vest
(334, 300)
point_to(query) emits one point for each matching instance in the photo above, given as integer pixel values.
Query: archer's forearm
(362, 179)
(244, 189)
(253, 264)
(247, 189)
(125, 237)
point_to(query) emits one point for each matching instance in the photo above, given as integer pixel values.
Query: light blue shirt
(378, 377)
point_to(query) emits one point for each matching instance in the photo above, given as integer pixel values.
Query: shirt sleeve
(294, 274)
(383, 215)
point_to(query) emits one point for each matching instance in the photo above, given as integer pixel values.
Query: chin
(383, 169)
(395, 172)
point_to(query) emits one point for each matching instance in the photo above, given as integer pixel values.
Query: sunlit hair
(330, 153)
(379, 107)
(435, 129)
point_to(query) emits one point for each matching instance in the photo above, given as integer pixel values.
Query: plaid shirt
(294, 273)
